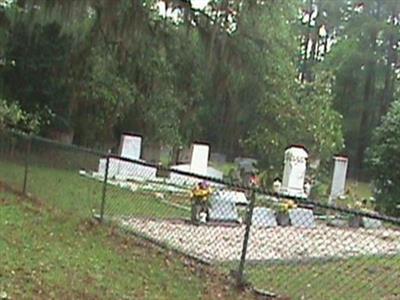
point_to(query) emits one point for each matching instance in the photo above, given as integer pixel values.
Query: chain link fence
(50, 172)
(297, 248)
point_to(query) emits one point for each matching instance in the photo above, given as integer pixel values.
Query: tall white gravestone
(294, 172)
(199, 160)
(198, 165)
(130, 146)
(339, 177)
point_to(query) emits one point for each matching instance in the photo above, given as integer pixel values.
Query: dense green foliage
(225, 74)
(384, 160)
(363, 59)
(250, 77)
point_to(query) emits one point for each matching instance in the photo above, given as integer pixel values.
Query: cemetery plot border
(221, 243)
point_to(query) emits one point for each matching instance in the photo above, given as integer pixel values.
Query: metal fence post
(103, 195)
(26, 167)
(240, 274)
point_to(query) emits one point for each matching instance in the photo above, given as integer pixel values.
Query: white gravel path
(223, 243)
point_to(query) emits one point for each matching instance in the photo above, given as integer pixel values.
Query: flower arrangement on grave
(282, 211)
(201, 192)
(200, 196)
(285, 206)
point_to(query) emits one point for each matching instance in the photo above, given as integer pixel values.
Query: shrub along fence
(299, 248)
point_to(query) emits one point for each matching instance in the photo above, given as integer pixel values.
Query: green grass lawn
(359, 278)
(360, 189)
(48, 255)
(67, 190)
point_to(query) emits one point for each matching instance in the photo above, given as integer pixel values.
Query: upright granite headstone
(302, 218)
(264, 217)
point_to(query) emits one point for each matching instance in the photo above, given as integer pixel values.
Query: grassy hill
(49, 255)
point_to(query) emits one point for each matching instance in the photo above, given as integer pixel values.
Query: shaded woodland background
(249, 77)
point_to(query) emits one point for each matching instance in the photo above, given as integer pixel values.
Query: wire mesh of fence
(288, 246)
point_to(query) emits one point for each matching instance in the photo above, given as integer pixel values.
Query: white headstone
(339, 177)
(264, 217)
(294, 171)
(131, 146)
(199, 160)
(302, 218)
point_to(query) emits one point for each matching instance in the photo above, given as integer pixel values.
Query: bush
(383, 158)
(12, 116)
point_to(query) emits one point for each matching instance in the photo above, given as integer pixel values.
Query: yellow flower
(201, 193)
(285, 206)
(291, 204)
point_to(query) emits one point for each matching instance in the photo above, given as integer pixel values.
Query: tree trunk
(388, 91)
(304, 76)
(369, 93)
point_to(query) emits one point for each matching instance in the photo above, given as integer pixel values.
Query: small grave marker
(223, 210)
(302, 218)
(264, 217)
(370, 223)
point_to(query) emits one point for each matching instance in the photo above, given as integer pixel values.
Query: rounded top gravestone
(294, 171)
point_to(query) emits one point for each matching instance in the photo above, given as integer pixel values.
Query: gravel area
(218, 243)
